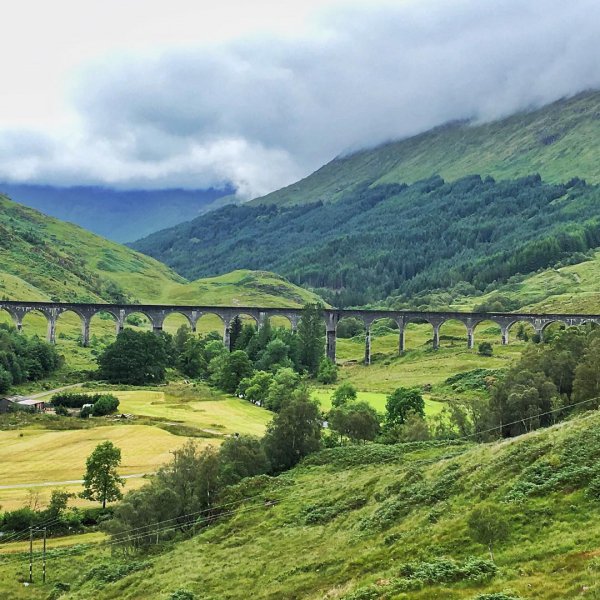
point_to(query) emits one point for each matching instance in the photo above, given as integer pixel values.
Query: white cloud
(262, 111)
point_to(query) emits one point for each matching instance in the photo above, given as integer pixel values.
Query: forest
(381, 238)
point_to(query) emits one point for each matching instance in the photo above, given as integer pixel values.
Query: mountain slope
(42, 258)
(119, 215)
(558, 141)
(379, 241)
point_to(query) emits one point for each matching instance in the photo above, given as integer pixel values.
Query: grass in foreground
(409, 504)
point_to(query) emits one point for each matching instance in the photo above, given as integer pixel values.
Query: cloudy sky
(192, 93)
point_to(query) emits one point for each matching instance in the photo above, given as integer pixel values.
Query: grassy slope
(572, 289)
(43, 258)
(558, 142)
(552, 551)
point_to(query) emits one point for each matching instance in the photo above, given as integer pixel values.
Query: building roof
(29, 402)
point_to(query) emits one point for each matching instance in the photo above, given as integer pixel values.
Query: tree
(134, 358)
(255, 389)
(274, 356)
(294, 432)
(488, 526)
(229, 369)
(358, 421)
(311, 338)
(485, 349)
(101, 481)
(586, 384)
(5, 380)
(235, 329)
(105, 405)
(400, 403)
(241, 456)
(281, 389)
(328, 371)
(343, 394)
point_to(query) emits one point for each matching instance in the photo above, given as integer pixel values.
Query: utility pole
(30, 554)
(44, 559)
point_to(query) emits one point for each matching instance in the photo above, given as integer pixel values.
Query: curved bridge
(157, 313)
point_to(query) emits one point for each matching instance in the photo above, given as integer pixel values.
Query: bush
(485, 349)
(61, 411)
(105, 405)
(328, 372)
(111, 572)
(182, 595)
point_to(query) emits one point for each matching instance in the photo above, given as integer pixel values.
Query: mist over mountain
(119, 215)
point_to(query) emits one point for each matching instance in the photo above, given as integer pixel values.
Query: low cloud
(261, 113)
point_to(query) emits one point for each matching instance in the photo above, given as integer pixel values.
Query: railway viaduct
(157, 314)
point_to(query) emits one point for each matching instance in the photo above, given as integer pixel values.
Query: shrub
(328, 372)
(110, 572)
(182, 595)
(105, 405)
(485, 349)
(61, 411)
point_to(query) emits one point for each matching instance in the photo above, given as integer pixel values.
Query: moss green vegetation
(47, 259)
(367, 521)
(557, 141)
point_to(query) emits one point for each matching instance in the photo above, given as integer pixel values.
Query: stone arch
(70, 325)
(8, 316)
(208, 322)
(522, 334)
(486, 330)
(283, 320)
(174, 319)
(104, 325)
(36, 322)
(132, 320)
(381, 337)
(415, 335)
(454, 332)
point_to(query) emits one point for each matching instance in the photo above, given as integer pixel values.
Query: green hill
(370, 522)
(462, 203)
(394, 239)
(42, 258)
(558, 141)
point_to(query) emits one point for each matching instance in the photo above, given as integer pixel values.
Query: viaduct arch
(157, 313)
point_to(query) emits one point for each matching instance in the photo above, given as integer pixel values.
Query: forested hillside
(383, 238)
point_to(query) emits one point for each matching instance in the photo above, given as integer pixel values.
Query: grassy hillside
(347, 524)
(42, 258)
(569, 289)
(559, 141)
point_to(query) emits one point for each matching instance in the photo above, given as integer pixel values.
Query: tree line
(24, 358)
(269, 357)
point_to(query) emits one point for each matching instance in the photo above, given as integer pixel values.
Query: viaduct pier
(157, 313)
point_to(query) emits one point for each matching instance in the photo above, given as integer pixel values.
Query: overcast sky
(191, 93)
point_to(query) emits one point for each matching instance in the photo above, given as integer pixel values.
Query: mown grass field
(275, 551)
(38, 455)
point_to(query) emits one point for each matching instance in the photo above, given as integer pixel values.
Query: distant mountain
(119, 215)
(559, 141)
(42, 258)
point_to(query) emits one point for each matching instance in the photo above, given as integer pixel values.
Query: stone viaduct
(157, 314)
